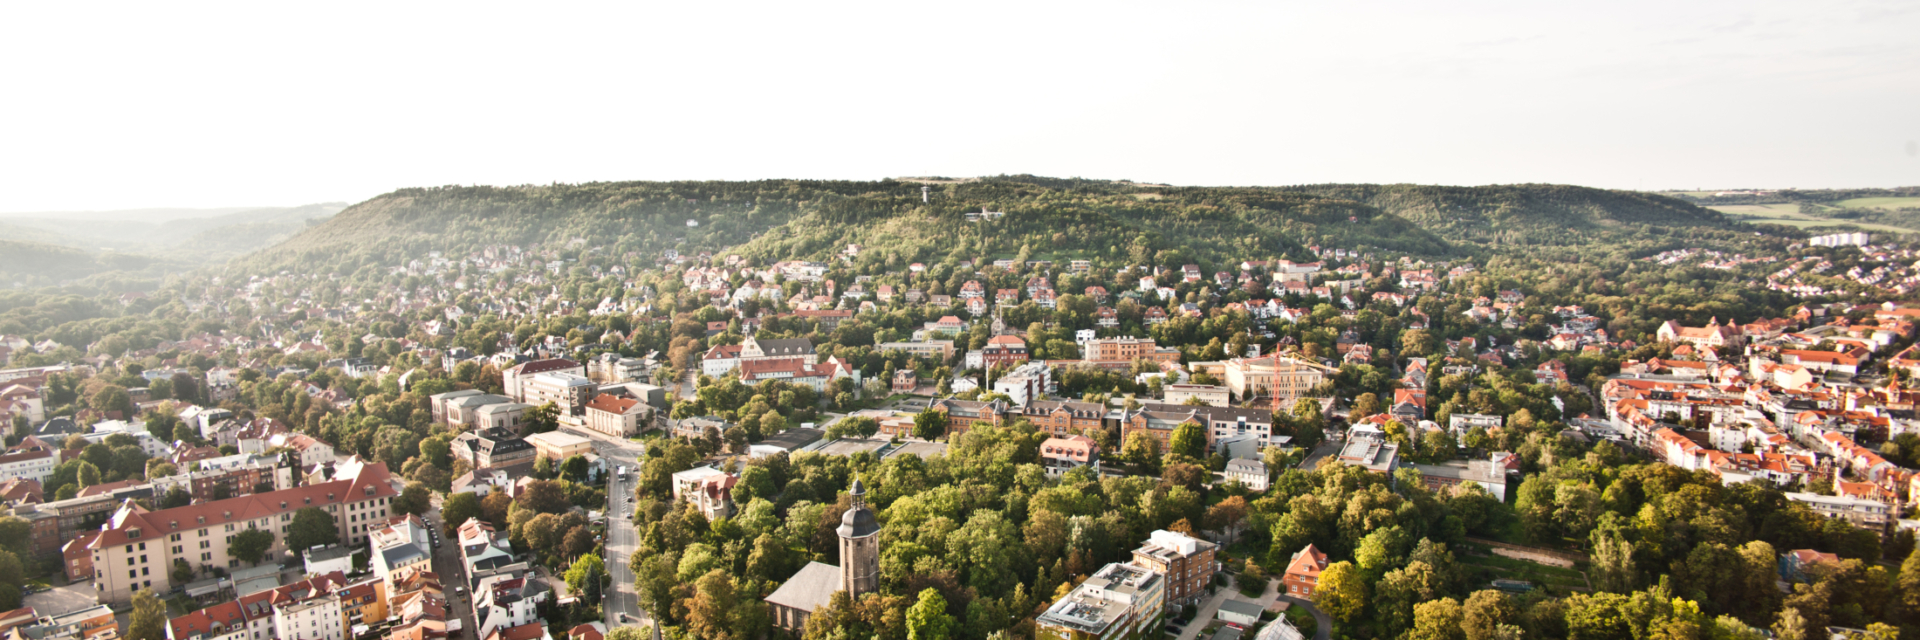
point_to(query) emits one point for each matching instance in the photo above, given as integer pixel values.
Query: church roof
(810, 589)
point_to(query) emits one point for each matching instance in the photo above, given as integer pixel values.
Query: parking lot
(60, 600)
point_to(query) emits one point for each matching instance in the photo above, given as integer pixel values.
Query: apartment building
(615, 415)
(1119, 601)
(1127, 350)
(513, 379)
(136, 547)
(1860, 512)
(1210, 395)
(1186, 561)
(1284, 378)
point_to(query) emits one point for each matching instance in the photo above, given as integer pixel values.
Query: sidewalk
(1212, 606)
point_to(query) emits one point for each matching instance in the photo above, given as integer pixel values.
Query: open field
(1789, 215)
(1880, 203)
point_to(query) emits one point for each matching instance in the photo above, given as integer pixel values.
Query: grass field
(1789, 215)
(1880, 203)
(1555, 579)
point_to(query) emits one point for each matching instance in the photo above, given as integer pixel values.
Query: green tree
(1189, 439)
(928, 618)
(586, 576)
(457, 508)
(149, 618)
(930, 424)
(182, 571)
(415, 499)
(1484, 612)
(251, 546)
(1437, 620)
(311, 527)
(1365, 405)
(1342, 593)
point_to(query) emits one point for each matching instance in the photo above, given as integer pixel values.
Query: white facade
(29, 465)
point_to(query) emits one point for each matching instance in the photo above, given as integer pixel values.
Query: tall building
(1186, 561)
(1119, 601)
(859, 571)
(859, 546)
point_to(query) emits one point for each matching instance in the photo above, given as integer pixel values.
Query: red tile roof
(373, 482)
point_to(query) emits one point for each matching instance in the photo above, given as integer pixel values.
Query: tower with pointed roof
(859, 546)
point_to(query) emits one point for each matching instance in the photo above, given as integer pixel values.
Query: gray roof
(808, 590)
(786, 347)
(401, 554)
(1241, 607)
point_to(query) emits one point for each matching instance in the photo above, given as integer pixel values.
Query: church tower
(859, 546)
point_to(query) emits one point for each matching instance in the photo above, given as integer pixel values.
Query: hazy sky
(180, 104)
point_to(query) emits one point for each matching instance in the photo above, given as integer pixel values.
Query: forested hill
(1506, 216)
(782, 219)
(1045, 218)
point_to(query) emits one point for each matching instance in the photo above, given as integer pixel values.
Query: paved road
(452, 572)
(621, 605)
(1322, 623)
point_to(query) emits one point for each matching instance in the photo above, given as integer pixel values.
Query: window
(132, 574)
(145, 571)
(143, 547)
(206, 556)
(129, 561)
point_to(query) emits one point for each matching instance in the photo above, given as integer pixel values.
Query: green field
(1880, 203)
(1789, 214)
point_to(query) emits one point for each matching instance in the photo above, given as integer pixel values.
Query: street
(452, 572)
(621, 606)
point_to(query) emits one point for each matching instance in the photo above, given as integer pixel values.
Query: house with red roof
(1303, 572)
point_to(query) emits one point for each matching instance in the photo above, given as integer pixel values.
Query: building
(1210, 395)
(566, 391)
(797, 370)
(1220, 423)
(1715, 335)
(1186, 561)
(905, 381)
(1461, 423)
(1240, 613)
(28, 462)
(399, 547)
(1127, 350)
(145, 543)
(512, 378)
(1003, 351)
(1061, 418)
(1371, 452)
(90, 623)
(1866, 514)
(616, 416)
(963, 414)
(1119, 602)
(1251, 473)
(492, 448)
(815, 584)
(1794, 564)
(1303, 572)
(1454, 473)
(936, 349)
(1030, 382)
(559, 445)
(1285, 379)
(1060, 454)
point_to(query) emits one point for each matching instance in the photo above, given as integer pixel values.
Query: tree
(311, 527)
(1365, 405)
(574, 469)
(415, 499)
(1484, 612)
(928, 618)
(149, 618)
(1189, 439)
(182, 572)
(251, 546)
(541, 419)
(1143, 451)
(545, 496)
(457, 508)
(1437, 620)
(930, 424)
(1341, 592)
(577, 541)
(494, 509)
(586, 576)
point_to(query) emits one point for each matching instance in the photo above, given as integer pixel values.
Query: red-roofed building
(614, 415)
(137, 547)
(1303, 573)
(528, 631)
(1010, 351)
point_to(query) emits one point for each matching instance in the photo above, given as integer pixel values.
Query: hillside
(1534, 215)
(38, 264)
(189, 236)
(1046, 218)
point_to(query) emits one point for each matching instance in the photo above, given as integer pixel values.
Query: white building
(1032, 381)
(1252, 473)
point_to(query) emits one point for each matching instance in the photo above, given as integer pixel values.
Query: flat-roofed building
(940, 349)
(1284, 378)
(1118, 601)
(559, 445)
(1186, 561)
(1124, 350)
(1454, 473)
(1207, 394)
(513, 377)
(1860, 512)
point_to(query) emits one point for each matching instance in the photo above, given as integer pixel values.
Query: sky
(187, 104)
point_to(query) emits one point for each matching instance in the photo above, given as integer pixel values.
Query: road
(1322, 623)
(452, 572)
(621, 606)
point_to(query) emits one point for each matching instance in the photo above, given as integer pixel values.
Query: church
(859, 571)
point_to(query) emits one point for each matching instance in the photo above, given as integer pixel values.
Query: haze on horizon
(219, 105)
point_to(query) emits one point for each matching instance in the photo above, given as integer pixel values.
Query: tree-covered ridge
(1528, 214)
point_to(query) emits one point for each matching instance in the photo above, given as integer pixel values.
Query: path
(1212, 607)
(1322, 623)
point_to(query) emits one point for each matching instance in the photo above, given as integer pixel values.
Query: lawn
(1789, 215)
(1880, 203)
(1302, 620)
(1489, 566)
